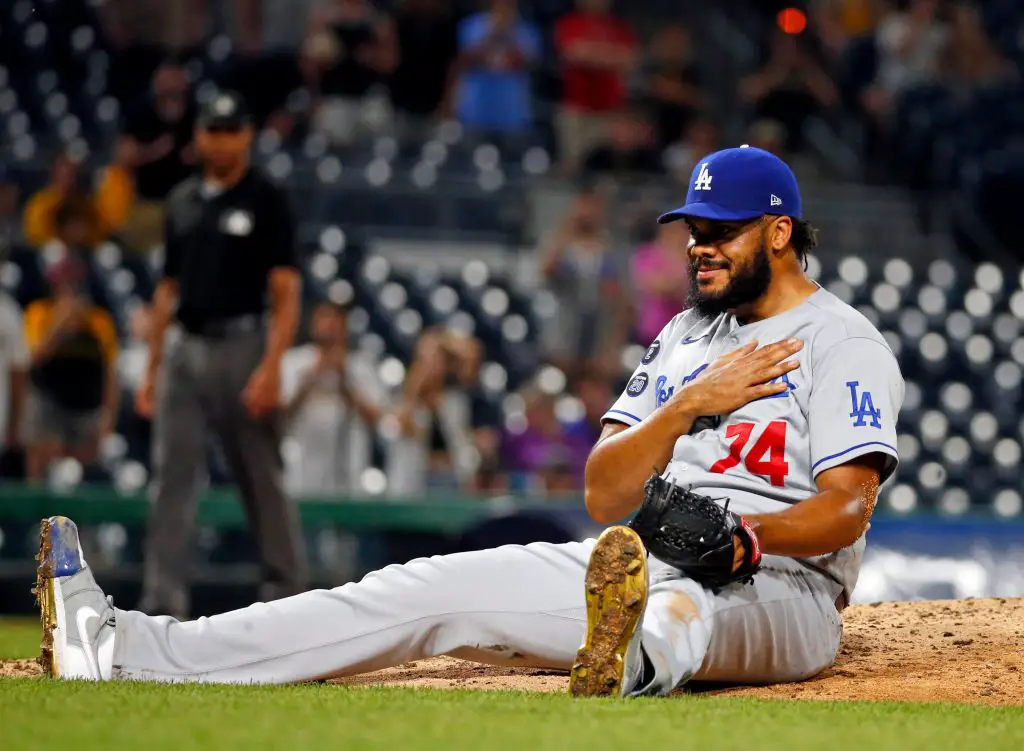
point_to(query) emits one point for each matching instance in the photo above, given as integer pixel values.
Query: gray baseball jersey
(842, 402)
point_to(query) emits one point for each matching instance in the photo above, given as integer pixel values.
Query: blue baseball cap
(739, 184)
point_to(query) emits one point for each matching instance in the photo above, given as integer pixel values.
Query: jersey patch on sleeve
(637, 384)
(652, 352)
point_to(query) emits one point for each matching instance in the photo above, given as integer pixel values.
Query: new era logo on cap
(748, 183)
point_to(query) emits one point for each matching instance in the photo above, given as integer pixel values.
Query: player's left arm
(856, 394)
(832, 519)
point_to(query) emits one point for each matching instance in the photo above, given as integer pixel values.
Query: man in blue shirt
(497, 49)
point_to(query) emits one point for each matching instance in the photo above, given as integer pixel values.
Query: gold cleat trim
(43, 592)
(616, 595)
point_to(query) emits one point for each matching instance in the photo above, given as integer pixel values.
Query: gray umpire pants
(200, 393)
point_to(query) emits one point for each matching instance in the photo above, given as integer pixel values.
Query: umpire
(231, 281)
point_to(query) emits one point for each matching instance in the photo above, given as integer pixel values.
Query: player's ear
(780, 231)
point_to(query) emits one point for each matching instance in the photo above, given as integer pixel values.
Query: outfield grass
(19, 638)
(38, 713)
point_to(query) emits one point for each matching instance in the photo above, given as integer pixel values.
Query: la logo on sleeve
(862, 407)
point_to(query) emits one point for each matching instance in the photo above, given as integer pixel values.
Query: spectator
(700, 138)
(10, 220)
(74, 389)
(74, 228)
(351, 49)
(909, 43)
(132, 361)
(156, 143)
(833, 23)
(767, 134)
(579, 266)
(857, 16)
(490, 476)
(661, 278)
(13, 379)
(269, 26)
(558, 473)
(597, 52)
(969, 59)
(422, 86)
(672, 84)
(538, 446)
(134, 352)
(75, 234)
(142, 33)
(108, 206)
(333, 401)
(268, 36)
(496, 51)
(432, 438)
(594, 393)
(791, 86)
(630, 152)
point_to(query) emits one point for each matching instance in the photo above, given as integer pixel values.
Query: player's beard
(747, 284)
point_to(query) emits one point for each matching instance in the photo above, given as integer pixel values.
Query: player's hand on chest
(750, 392)
(706, 381)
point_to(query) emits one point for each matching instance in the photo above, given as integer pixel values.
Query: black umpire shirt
(221, 246)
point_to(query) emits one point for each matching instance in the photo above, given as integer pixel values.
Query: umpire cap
(739, 184)
(225, 110)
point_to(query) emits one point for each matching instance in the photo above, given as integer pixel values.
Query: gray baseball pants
(512, 605)
(200, 393)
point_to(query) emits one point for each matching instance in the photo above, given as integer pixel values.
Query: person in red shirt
(596, 51)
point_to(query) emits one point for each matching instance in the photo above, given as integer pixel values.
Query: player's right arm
(625, 455)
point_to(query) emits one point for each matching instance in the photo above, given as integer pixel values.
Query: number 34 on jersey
(767, 455)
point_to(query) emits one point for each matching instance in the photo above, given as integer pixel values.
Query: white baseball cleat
(610, 661)
(77, 618)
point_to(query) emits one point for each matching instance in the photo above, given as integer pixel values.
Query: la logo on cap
(703, 181)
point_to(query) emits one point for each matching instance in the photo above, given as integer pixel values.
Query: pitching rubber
(616, 595)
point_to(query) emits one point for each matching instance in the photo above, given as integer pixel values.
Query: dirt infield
(957, 650)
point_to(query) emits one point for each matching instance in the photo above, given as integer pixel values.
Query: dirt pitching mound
(956, 650)
(20, 668)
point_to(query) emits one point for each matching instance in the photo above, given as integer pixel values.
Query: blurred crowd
(614, 102)
(72, 380)
(578, 77)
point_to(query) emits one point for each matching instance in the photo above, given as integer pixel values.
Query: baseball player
(768, 413)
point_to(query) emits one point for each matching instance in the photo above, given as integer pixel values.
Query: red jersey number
(767, 457)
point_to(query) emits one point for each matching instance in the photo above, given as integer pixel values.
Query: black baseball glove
(695, 535)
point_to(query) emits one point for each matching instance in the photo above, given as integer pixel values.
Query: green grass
(38, 713)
